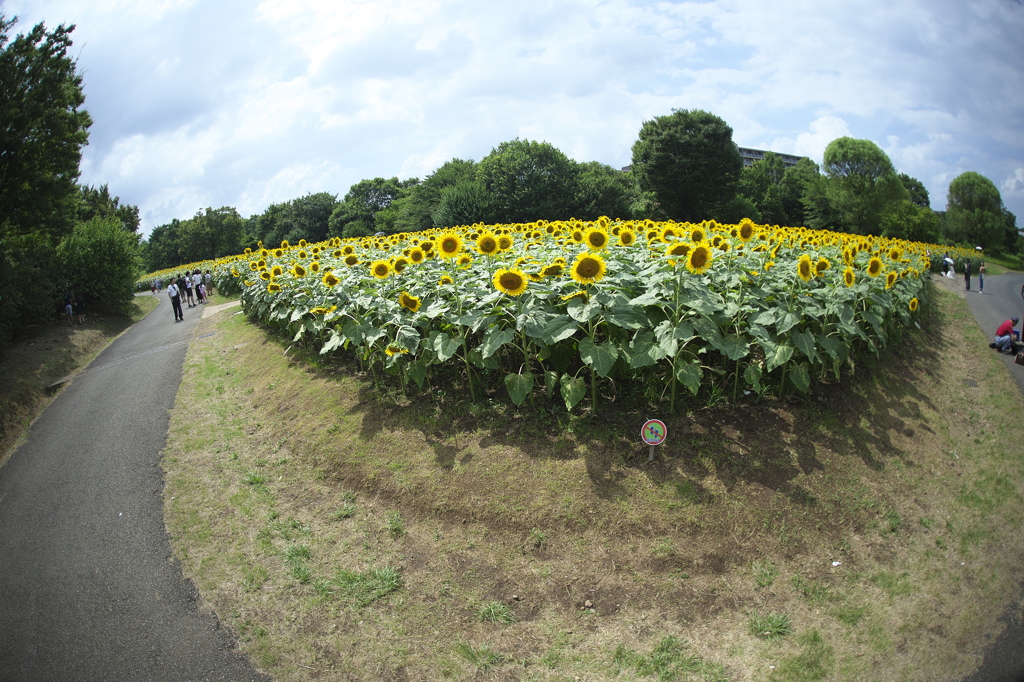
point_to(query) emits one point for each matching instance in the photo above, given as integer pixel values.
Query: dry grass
(295, 495)
(43, 354)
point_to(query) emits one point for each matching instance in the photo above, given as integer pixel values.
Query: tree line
(685, 166)
(56, 235)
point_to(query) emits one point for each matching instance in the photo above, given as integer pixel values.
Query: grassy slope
(347, 533)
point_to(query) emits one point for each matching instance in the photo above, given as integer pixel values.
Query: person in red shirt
(1005, 335)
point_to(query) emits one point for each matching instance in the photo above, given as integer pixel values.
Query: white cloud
(232, 103)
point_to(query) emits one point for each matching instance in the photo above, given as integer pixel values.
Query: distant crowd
(196, 286)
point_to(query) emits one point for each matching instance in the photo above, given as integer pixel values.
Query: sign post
(654, 432)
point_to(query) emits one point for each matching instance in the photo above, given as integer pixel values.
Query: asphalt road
(89, 589)
(1004, 659)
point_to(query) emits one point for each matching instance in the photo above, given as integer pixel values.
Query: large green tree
(603, 191)
(688, 162)
(975, 212)
(356, 215)
(528, 180)
(97, 202)
(42, 131)
(860, 186)
(99, 260)
(415, 208)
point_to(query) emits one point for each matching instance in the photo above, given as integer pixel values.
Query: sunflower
(589, 268)
(505, 242)
(265, 276)
(681, 249)
(380, 269)
(849, 277)
(579, 293)
(273, 286)
(511, 281)
(596, 238)
(399, 264)
(699, 259)
(890, 279)
(351, 260)
(552, 270)
(913, 304)
(627, 237)
(445, 279)
(746, 230)
(822, 265)
(804, 268)
(487, 244)
(314, 267)
(409, 302)
(336, 253)
(330, 280)
(253, 266)
(277, 271)
(697, 235)
(875, 267)
(303, 254)
(393, 349)
(464, 260)
(668, 233)
(417, 255)
(278, 253)
(299, 271)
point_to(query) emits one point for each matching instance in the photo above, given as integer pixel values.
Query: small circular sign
(654, 432)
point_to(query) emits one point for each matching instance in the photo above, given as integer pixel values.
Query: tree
(42, 131)
(761, 183)
(688, 161)
(527, 181)
(463, 204)
(918, 192)
(603, 191)
(975, 213)
(860, 187)
(416, 207)
(96, 202)
(910, 221)
(99, 260)
(361, 205)
(795, 182)
(309, 216)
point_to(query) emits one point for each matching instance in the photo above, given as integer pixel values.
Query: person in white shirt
(175, 295)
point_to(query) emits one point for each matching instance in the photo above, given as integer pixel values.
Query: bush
(100, 260)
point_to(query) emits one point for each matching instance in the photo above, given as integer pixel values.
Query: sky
(202, 103)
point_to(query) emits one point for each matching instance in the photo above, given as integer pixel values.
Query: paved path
(89, 589)
(1004, 659)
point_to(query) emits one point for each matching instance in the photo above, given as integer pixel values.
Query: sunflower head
(822, 265)
(679, 249)
(849, 276)
(745, 231)
(330, 280)
(265, 276)
(805, 268)
(913, 304)
(699, 259)
(505, 242)
(274, 286)
(487, 244)
(380, 269)
(351, 260)
(314, 267)
(399, 264)
(579, 293)
(627, 236)
(445, 279)
(394, 349)
(417, 255)
(552, 270)
(875, 266)
(277, 271)
(589, 268)
(409, 302)
(511, 281)
(596, 238)
(890, 279)
(299, 271)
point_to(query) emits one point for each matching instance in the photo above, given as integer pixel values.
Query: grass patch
(769, 625)
(560, 520)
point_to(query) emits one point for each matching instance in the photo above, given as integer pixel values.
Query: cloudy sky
(240, 103)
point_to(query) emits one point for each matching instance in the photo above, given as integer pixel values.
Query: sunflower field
(553, 309)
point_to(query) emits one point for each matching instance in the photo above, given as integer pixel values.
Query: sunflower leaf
(800, 377)
(583, 312)
(601, 357)
(806, 342)
(336, 340)
(752, 375)
(445, 346)
(519, 386)
(494, 340)
(786, 322)
(776, 354)
(558, 329)
(735, 347)
(550, 382)
(418, 371)
(573, 390)
(644, 351)
(689, 374)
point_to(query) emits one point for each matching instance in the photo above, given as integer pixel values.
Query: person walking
(981, 278)
(68, 309)
(967, 275)
(188, 289)
(175, 295)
